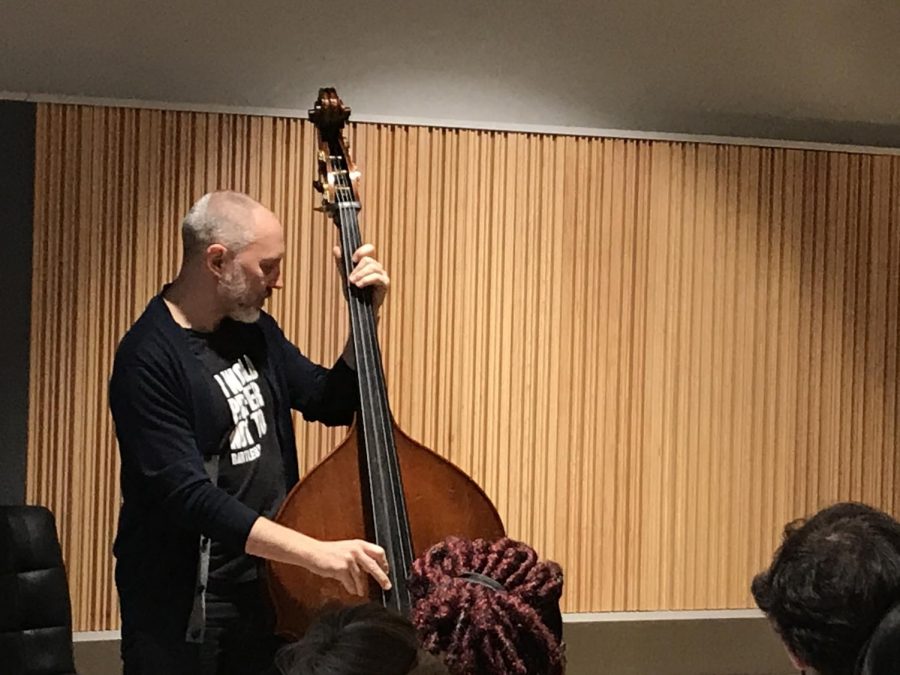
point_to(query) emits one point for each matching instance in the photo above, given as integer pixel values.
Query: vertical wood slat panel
(650, 354)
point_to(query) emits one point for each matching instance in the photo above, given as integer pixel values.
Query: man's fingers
(376, 553)
(362, 251)
(375, 278)
(372, 567)
(346, 580)
(359, 579)
(366, 266)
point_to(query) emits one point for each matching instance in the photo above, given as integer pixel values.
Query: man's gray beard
(244, 314)
(234, 285)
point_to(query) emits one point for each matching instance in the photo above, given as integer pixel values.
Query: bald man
(201, 394)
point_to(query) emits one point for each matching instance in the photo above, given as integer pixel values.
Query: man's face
(250, 275)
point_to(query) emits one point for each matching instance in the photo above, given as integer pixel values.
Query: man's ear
(216, 258)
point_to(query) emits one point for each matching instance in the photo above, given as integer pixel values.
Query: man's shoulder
(146, 343)
(270, 329)
(267, 323)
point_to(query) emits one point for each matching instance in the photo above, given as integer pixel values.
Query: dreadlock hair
(358, 640)
(489, 607)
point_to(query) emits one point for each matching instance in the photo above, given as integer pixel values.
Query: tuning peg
(326, 207)
(317, 184)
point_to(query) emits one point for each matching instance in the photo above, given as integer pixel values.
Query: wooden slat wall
(650, 354)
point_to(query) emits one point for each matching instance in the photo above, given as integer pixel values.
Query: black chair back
(35, 609)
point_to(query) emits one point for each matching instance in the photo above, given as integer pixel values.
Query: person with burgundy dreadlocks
(489, 607)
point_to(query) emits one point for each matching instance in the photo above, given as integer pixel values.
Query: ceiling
(824, 70)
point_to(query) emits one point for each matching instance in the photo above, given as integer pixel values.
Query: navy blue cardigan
(160, 398)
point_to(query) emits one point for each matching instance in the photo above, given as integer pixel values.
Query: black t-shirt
(250, 465)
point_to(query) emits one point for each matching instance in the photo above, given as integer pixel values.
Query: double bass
(378, 484)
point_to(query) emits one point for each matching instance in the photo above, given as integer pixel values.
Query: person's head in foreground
(358, 640)
(832, 591)
(489, 607)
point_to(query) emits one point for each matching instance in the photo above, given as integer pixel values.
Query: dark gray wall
(16, 208)
(737, 646)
